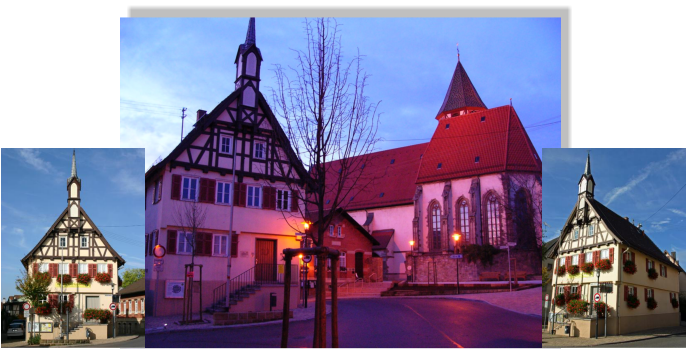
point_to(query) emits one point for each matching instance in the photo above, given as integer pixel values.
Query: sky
(634, 183)
(170, 63)
(34, 194)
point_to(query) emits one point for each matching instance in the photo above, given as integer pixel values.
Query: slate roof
(135, 288)
(383, 237)
(500, 142)
(630, 234)
(461, 92)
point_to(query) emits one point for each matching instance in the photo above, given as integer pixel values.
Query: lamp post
(456, 237)
(307, 268)
(413, 270)
(302, 280)
(113, 325)
(597, 273)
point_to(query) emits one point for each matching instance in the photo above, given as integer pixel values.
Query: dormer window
(439, 166)
(447, 126)
(476, 159)
(483, 119)
(391, 161)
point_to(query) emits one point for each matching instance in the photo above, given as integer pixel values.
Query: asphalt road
(383, 323)
(677, 341)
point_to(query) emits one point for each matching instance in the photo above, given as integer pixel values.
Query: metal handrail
(260, 274)
(219, 294)
(371, 275)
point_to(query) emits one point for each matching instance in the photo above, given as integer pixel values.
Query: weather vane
(458, 51)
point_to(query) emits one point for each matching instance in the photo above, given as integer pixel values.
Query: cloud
(677, 212)
(644, 173)
(31, 157)
(19, 237)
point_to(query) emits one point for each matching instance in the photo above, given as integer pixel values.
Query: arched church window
(434, 223)
(493, 221)
(463, 220)
(524, 222)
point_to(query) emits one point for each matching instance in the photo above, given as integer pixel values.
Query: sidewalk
(155, 324)
(92, 342)
(527, 302)
(556, 341)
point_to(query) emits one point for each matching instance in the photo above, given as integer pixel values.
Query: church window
(476, 159)
(83, 241)
(435, 226)
(464, 220)
(591, 230)
(259, 150)
(439, 166)
(62, 241)
(222, 193)
(189, 188)
(494, 221)
(283, 200)
(82, 268)
(43, 268)
(483, 119)
(184, 242)
(220, 245)
(253, 196)
(225, 144)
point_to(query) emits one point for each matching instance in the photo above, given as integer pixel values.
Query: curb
(81, 345)
(468, 299)
(643, 339)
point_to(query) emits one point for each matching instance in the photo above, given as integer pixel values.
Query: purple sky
(167, 64)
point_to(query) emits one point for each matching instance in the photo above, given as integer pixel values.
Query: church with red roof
(478, 178)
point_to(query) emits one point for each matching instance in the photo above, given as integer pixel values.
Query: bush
(573, 270)
(632, 301)
(653, 275)
(587, 267)
(103, 278)
(600, 308)
(561, 270)
(43, 309)
(560, 300)
(674, 303)
(629, 267)
(651, 303)
(482, 253)
(83, 279)
(97, 314)
(572, 296)
(603, 264)
(36, 339)
(577, 307)
(43, 276)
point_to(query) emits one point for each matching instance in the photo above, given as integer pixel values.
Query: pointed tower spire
(73, 172)
(248, 59)
(461, 97)
(587, 172)
(251, 33)
(586, 185)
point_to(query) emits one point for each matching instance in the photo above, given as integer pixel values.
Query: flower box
(629, 267)
(573, 270)
(103, 278)
(65, 277)
(93, 315)
(577, 307)
(561, 270)
(603, 264)
(653, 275)
(587, 267)
(560, 300)
(572, 296)
(651, 303)
(83, 279)
(632, 301)
(600, 309)
(674, 303)
(43, 309)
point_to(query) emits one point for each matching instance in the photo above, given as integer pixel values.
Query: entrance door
(359, 264)
(265, 266)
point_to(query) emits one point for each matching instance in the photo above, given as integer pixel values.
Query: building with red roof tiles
(478, 177)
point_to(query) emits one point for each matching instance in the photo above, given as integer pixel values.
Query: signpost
(159, 252)
(112, 306)
(546, 306)
(596, 297)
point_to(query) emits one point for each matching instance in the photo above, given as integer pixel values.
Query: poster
(174, 289)
(46, 327)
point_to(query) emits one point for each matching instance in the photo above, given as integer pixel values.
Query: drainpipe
(617, 298)
(229, 234)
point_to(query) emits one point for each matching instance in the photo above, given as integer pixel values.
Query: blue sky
(634, 183)
(34, 194)
(167, 64)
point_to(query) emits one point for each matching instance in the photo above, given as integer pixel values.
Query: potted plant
(653, 275)
(603, 264)
(561, 270)
(83, 279)
(67, 306)
(560, 300)
(577, 307)
(573, 270)
(571, 296)
(651, 303)
(103, 278)
(600, 308)
(65, 277)
(94, 315)
(629, 267)
(587, 267)
(632, 301)
(674, 303)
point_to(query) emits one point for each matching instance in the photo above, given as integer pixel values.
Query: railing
(258, 275)
(219, 294)
(371, 275)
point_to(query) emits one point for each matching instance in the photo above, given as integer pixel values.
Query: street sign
(112, 306)
(159, 251)
(596, 297)
(456, 256)
(546, 303)
(26, 306)
(159, 265)
(307, 258)
(546, 297)
(26, 313)
(190, 274)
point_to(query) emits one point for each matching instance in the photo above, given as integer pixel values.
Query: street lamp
(113, 325)
(597, 273)
(456, 237)
(413, 270)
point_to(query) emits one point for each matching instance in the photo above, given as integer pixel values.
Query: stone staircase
(360, 289)
(243, 294)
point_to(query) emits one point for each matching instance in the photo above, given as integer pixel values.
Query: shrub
(36, 339)
(600, 308)
(572, 296)
(83, 279)
(603, 264)
(577, 307)
(674, 303)
(561, 270)
(65, 277)
(482, 253)
(653, 274)
(43, 276)
(560, 300)
(632, 301)
(587, 267)
(651, 303)
(629, 267)
(97, 314)
(103, 278)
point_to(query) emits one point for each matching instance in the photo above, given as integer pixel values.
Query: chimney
(672, 254)
(626, 218)
(199, 114)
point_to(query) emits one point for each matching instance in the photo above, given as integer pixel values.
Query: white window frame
(331, 230)
(218, 196)
(651, 264)
(605, 254)
(187, 236)
(142, 305)
(562, 261)
(43, 267)
(342, 260)
(576, 233)
(650, 293)
(574, 260)
(259, 145)
(220, 247)
(629, 257)
(86, 240)
(223, 145)
(64, 268)
(631, 290)
(572, 289)
(589, 258)
(591, 230)
(339, 232)
(62, 242)
(252, 196)
(189, 188)
(156, 191)
(283, 203)
(102, 268)
(83, 268)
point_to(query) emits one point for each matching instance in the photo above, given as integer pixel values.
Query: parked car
(16, 329)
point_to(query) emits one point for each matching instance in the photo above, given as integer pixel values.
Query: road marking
(436, 328)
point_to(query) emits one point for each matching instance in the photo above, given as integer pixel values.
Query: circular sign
(307, 258)
(112, 306)
(596, 297)
(546, 297)
(159, 251)
(26, 306)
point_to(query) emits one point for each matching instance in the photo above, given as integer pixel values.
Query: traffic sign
(159, 251)
(546, 297)
(307, 258)
(596, 297)
(112, 306)
(159, 265)
(190, 274)
(26, 306)
(456, 256)
(26, 313)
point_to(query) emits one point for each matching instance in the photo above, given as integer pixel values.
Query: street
(676, 341)
(383, 323)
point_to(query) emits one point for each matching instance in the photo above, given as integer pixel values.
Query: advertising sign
(174, 289)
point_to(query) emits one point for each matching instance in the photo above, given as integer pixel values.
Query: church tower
(74, 187)
(586, 185)
(248, 61)
(462, 98)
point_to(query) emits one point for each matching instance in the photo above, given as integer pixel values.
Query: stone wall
(249, 317)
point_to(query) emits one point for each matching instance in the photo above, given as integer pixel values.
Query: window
(560, 290)
(631, 290)
(650, 292)
(650, 264)
(476, 159)
(590, 230)
(342, 260)
(259, 150)
(629, 256)
(605, 254)
(494, 221)
(464, 220)
(447, 126)
(435, 227)
(574, 260)
(189, 188)
(63, 268)
(482, 119)
(101, 268)
(219, 245)
(142, 304)
(576, 233)
(589, 257)
(338, 231)
(222, 193)
(225, 144)
(43, 268)
(82, 268)
(254, 196)
(439, 166)
(283, 200)
(562, 261)
(331, 230)
(83, 241)
(157, 191)
(62, 241)
(184, 242)
(574, 289)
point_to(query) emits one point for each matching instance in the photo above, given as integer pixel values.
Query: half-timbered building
(82, 266)
(601, 252)
(249, 207)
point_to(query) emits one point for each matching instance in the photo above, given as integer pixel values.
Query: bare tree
(191, 217)
(327, 118)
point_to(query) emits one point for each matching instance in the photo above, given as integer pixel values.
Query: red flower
(83, 279)
(629, 267)
(97, 314)
(653, 275)
(577, 307)
(632, 301)
(561, 270)
(573, 269)
(43, 276)
(651, 303)
(43, 309)
(103, 278)
(587, 267)
(560, 300)
(600, 308)
(674, 303)
(66, 279)
(603, 264)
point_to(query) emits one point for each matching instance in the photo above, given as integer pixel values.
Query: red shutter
(35, 269)
(243, 195)
(596, 254)
(208, 247)
(626, 292)
(612, 255)
(646, 294)
(200, 240)
(176, 187)
(92, 269)
(73, 270)
(624, 258)
(294, 201)
(110, 270)
(235, 194)
(266, 197)
(633, 258)
(53, 298)
(207, 188)
(233, 245)
(568, 261)
(647, 264)
(53, 269)
(567, 289)
(172, 241)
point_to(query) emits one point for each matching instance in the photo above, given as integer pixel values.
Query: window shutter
(233, 245)
(53, 269)
(211, 191)
(235, 194)
(646, 294)
(242, 192)
(568, 260)
(633, 257)
(172, 241)
(110, 270)
(35, 269)
(207, 189)
(266, 197)
(203, 190)
(647, 264)
(596, 254)
(612, 255)
(626, 292)
(294, 201)
(176, 187)
(567, 289)
(73, 270)
(92, 269)
(199, 240)
(208, 247)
